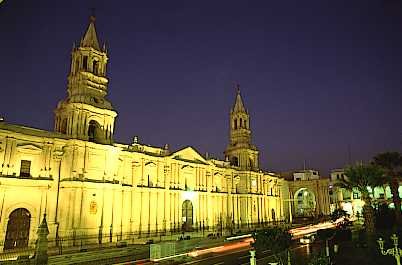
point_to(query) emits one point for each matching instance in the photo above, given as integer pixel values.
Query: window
(150, 183)
(95, 67)
(85, 63)
(241, 123)
(25, 170)
(235, 124)
(346, 194)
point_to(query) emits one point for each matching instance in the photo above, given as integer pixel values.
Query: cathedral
(89, 186)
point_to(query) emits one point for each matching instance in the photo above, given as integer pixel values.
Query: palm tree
(361, 177)
(391, 163)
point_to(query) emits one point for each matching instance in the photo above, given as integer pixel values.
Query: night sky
(316, 76)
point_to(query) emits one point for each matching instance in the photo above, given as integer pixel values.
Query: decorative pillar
(41, 257)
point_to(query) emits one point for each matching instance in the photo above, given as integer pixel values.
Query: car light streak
(248, 239)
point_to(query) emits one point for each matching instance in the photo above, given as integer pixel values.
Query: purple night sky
(315, 76)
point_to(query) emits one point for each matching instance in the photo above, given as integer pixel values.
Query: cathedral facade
(89, 185)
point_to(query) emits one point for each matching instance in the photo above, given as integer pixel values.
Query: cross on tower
(237, 86)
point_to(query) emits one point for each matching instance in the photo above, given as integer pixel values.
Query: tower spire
(86, 113)
(240, 151)
(238, 106)
(90, 38)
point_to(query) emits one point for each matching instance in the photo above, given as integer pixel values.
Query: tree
(391, 163)
(361, 177)
(339, 213)
(275, 239)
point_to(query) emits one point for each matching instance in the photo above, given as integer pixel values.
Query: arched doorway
(305, 203)
(273, 214)
(187, 215)
(17, 235)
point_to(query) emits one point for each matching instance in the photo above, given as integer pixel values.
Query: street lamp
(395, 251)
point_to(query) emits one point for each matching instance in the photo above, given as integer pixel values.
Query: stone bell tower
(86, 113)
(240, 151)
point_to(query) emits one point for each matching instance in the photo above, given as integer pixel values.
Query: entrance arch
(187, 215)
(305, 203)
(17, 234)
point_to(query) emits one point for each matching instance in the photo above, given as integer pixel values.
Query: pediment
(150, 164)
(218, 174)
(29, 147)
(189, 154)
(187, 167)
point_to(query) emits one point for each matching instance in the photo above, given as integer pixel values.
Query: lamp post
(395, 251)
(253, 260)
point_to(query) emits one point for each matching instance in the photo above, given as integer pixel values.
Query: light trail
(248, 239)
(297, 232)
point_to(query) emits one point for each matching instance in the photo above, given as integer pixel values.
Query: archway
(187, 215)
(234, 161)
(94, 132)
(305, 203)
(17, 235)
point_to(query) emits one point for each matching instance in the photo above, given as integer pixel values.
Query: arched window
(245, 124)
(217, 182)
(187, 215)
(235, 124)
(17, 234)
(95, 66)
(241, 123)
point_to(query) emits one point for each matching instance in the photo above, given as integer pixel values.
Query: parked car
(307, 239)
